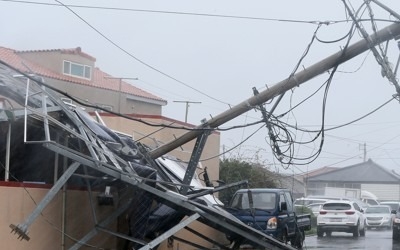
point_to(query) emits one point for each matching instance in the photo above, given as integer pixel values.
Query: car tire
(395, 234)
(284, 237)
(356, 230)
(298, 240)
(320, 233)
(362, 232)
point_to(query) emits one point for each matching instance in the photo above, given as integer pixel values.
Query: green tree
(235, 170)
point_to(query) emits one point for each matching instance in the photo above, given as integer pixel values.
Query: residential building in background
(366, 176)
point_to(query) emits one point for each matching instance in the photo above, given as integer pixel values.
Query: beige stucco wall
(17, 203)
(98, 96)
(51, 59)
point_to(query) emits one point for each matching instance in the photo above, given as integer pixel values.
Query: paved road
(374, 239)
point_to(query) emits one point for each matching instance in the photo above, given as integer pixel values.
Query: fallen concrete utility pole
(390, 32)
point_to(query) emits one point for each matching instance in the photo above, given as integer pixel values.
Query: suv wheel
(362, 232)
(395, 235)
(356, 230)
(320, 233)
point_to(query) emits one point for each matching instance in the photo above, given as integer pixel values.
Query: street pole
(390, 32)
(120, 87)
(187, 107)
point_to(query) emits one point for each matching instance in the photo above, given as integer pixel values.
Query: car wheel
(320, 233)
(298, 241)
(356, 230)
(284, 237)
(395, 235)
(362, 232)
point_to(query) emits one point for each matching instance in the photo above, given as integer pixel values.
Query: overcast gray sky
(215, 52)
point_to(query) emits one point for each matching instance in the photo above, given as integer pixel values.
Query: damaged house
(69, 181)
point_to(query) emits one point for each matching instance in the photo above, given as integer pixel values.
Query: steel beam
(194, 160)
(113, 216)
(22, 229)
(170, 232)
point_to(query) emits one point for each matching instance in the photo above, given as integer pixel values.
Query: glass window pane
(77, 70)
(67, 67)
(88, 72)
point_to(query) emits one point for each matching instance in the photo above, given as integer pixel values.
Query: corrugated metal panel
(383, 191)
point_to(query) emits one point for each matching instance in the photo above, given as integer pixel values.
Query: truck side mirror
(283, 206)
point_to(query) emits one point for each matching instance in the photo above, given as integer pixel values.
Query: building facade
(366, 176)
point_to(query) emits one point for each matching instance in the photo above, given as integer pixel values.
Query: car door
(291, 220)
(360, 214)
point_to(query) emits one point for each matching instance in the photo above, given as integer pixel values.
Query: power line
(139, 60)
(183, 13)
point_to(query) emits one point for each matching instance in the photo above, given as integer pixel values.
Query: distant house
(291, 183)
(75, 72)
(367, 176)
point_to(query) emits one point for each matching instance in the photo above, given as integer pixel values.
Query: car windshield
(377, 210)
(260, 201)
(315, 208)
(393, 206)
(336, 206)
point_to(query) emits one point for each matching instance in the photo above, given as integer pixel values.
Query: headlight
(397, 220)
(272, 223)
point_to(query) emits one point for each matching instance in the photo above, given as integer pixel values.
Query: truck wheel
(298, 240)
(284, 237)
(320, 233)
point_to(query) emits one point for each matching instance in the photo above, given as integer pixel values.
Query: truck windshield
(260, 201)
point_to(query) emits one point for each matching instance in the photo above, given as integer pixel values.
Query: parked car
(379, 216)
(305, 201)
(370, 201)
(271, 211)
(315, 207)
(396, 226)
(395, 205)
(341, 216)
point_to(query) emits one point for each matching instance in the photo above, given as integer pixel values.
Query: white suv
(341, 216)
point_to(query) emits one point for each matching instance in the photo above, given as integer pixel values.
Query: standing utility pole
(364, 148)
(187, 108)
(120, 87)
(390, 32)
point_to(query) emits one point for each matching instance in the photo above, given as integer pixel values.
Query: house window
(103, 106)
(78, 70)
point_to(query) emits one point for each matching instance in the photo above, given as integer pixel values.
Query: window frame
(86, 70)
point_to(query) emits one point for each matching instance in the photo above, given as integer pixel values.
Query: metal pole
(120, 87)
(338, 58)
(7, 173)
(22, 229)
(187, 108)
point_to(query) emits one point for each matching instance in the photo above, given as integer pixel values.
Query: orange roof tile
(99, 79)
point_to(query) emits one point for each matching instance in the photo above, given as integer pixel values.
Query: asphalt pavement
(374, 239)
